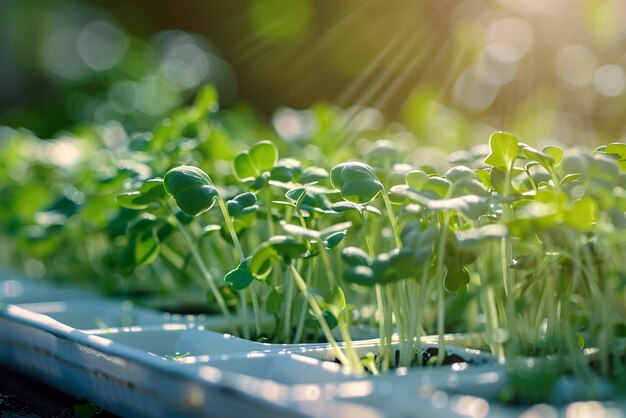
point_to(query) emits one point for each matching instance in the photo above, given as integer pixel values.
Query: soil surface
(23, 397)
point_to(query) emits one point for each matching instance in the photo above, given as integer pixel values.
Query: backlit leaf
(504, 148)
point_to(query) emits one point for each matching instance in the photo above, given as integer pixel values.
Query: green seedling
(529, 239)
(194, 193)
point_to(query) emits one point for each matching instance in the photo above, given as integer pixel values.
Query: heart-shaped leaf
(147, 248)
(191, 188)
(286, 170)
(504, 149)
(239, 278)
(296, 195)
(396, 265)
(263, 155)
(545, 160)
(242, 204)
(259, 159)
(416, 179)
(436, 187)
(356, 182)
(354, 256)
(151, 191)
(456, 279)
(313, 175)
(460, 173)
(361, 275)
(243, 168)
(277, 248)
(555, 152)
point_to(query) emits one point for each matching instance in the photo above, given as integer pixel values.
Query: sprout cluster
(311, 240)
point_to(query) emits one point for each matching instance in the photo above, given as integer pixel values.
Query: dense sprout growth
(310, 240)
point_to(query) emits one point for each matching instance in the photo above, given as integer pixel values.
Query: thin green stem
(288, 299)
(255, 306)
(385, 329)
(604, 319)
(392, 219)
(243, 303)
(327, 266)
(423, 290)
(303, 309)
(505, 257)
(404, 290)
(368, 242)
(441, 291)
(347, 339)
(555, 180)
(231, 228)
(203, 269)
(320, 316)
(268, 207)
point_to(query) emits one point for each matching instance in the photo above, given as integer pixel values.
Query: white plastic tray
(119, 357)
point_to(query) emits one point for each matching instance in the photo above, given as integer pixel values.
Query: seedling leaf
(583, 215)
(296, 195)
(361, 275)
(243, 168)
(356, 182)
(456, 279)
(334, 239)
(146, 248)
(263, 155)
(191, 188)
(277, 248)
(416, 179)
(354, 256)
(555, 152)
(345, 206)
(240, 278)
(545, 160)
(313, 175)
(504, 148)
(151, 191)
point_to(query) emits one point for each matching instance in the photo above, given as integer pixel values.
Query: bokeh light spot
(101, 45)
(609, 80)
(576, 65)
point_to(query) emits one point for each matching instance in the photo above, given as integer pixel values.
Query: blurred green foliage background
(450, 71)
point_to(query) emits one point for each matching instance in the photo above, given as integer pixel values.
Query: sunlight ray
(383, 78)
(353, 87)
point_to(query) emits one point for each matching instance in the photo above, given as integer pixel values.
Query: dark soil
(448, 360)
(23, 397)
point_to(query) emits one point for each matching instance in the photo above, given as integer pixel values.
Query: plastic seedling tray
(126, 359)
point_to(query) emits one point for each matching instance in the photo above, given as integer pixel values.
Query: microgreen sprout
(523, 245)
